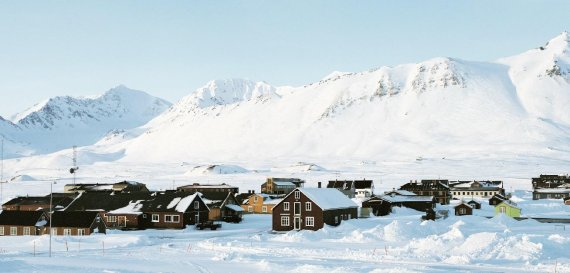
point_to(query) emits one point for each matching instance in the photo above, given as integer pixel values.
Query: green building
(508, 208)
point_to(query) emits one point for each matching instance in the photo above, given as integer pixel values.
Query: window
(308, 206)
(349, 216)
(286, 206)
(26, 230)
(155, 218)
(264, 209)
(310, 221)
(336, 219)
(111, 219)
(66, 231)
(284, 221)
(1, 230)
(171, 218)
(255, 199)
(80, 232)
(196, 205)
(13, 231)
(53, 231)
(249, 209)
(297, 195)
(461, 210)
(502, 210)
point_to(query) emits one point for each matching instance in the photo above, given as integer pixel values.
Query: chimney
(319, 184)
(252, 191)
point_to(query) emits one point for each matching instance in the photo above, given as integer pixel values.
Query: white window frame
(53, 231)
(249, 209)
(196, 205)
(308, 206)
(80, 232)
(13, 231)
(286, 206)
(255, 199)
(297, 195)
(26, 231)
(155, 218)
(264, 209)
(285, 221)
(310, 221)
(462, 211)
(1, 230)
(502, 210)
(66, 232)
(172, 218)
(111, 219)
(336, 219)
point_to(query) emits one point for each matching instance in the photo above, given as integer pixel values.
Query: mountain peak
(228, 91)
(559, 43)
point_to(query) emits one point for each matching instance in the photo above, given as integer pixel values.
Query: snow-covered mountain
(61, 122)
(437, 108)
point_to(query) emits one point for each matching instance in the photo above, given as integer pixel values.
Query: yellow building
(261, 203)
(508, 208)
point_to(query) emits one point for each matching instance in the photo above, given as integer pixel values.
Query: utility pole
(74, 169)
(51, 212)
(2, 172)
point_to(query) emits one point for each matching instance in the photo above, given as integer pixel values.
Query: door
(297, 223)
(297, 208)
(122, 221)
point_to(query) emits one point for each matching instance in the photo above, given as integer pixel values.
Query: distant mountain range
(437, 108)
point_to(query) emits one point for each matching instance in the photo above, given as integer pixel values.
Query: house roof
(510, 204)
(169, 202)
(20, 218)
(400, 192)
(552, 190)
(407, 198)
(363, 184)
(327, 199)
(39, 200)
(340, 184)
(105, 201)
(463, 205)
(284, 184)
(473, 202)
(79, 219)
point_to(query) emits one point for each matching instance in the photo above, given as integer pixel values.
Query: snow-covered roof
(284, 184)
(552, 190)
(327, 198)
(131, 208)
(406, 198)
(400, 192)
(510, 203)
(234, 207)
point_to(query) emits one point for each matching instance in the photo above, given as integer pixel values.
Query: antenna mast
(74, 169)
(2, 172)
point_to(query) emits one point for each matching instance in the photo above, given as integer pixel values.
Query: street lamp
(51, 211)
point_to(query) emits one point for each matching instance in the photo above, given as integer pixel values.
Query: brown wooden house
(463, 209)
(312, 208)
(497, 199)
(77, 223)
(106, 202)
(435, 187)
(474, 204)
(223, 206)
(550, 181)
(377, 205)
(276, 185)
(567, 201)
(17, 223)
(168, 210)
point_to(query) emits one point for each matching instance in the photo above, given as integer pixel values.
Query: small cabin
(463, 209)
(17, 223)
(77, 223)
(508, 208)
(496, 199)
(474, 204)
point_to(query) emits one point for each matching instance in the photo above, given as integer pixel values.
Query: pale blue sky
(170, 48)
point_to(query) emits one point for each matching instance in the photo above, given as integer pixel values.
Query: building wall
(161, 223)
(20, 230)
(540, 195)
(474, 194)
(123, 221)
(510, 211)
(74, 231)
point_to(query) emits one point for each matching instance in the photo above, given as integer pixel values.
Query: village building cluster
(84, 209)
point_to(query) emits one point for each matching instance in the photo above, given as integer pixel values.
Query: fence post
(34, 248)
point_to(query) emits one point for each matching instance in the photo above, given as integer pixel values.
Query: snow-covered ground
(399, 242)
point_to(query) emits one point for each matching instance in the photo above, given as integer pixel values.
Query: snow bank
(216, 169)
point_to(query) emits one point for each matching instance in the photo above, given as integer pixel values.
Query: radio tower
(74, 169)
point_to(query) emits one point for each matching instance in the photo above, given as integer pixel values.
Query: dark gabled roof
(463, 205)
(215, 198)
(39, 200)
(105, 201)
(167, 201)
(363, 184)
(340, 184)
(20, 218)
(473, 202)
(498, 196)
(78, 219)
(426, 185)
